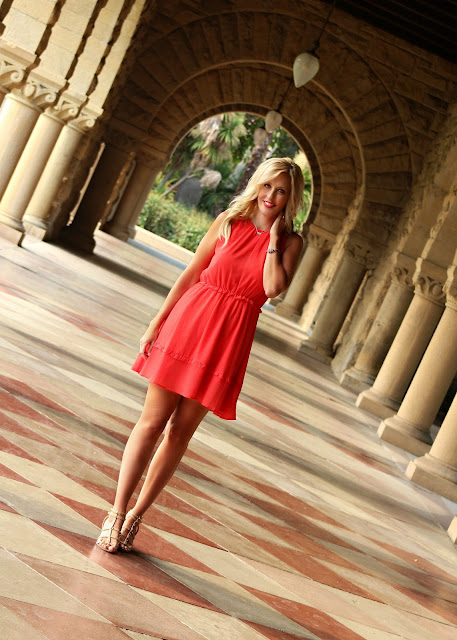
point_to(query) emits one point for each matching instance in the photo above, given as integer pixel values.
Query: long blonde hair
(242, 207)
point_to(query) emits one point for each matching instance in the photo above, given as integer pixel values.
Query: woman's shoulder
(295, 240)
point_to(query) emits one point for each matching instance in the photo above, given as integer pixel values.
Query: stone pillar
(319, 244)
(108, 175)
(382, 334)
(122, 225)
(37, 215)
(29, 168)
(348, 278)
(410, 428)
(437, 469)
(408, 347)
(17, 119)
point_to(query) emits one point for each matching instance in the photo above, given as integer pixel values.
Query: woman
(195, 350)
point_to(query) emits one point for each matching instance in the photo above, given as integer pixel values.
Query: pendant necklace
(259, 231)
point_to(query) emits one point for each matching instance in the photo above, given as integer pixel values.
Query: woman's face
(273, 195)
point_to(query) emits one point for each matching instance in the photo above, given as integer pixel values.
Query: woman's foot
(108, 540)
(129, 530)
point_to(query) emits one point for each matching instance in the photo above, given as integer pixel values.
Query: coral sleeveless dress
(202, 349)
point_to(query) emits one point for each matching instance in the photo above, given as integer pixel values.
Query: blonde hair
(242, 206)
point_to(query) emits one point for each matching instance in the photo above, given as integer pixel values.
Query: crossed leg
(161, 406)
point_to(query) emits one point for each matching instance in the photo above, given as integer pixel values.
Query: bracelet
(272, 250)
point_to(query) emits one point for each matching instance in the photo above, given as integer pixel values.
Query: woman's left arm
(279, 268)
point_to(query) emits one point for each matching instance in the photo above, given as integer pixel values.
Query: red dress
(202, 349)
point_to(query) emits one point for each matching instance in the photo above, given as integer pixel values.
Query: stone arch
(334, 172)
(222, 46)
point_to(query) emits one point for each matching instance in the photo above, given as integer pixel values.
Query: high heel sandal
(108, 540)
(127, 535)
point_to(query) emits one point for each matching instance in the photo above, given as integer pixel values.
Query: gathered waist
(228, 292)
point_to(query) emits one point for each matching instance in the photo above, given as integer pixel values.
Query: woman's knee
(184, 422)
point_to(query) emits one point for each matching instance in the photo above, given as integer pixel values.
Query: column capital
(402, 272)
(86, 119)
(41, 89)
(320, 238)
(428, 280)
(14, 64)
(65, 108)
(450, 287)
(359, 249)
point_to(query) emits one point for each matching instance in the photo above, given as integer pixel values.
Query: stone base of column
(378, 405)
(405, 435)
(356, 380)
(76, 240)
(315, 350)
(37, 228)
(452, 531)
(434, 475)
(287, 311)
(118, 231)
(12, 235)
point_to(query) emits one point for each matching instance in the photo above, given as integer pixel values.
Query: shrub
(174, 221)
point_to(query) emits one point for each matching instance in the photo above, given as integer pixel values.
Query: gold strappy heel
(108, 540)
(127, 535)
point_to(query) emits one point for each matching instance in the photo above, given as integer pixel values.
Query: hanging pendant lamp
(273, 120)
(306, 64)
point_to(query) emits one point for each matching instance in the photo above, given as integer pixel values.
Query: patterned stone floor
(295, 521)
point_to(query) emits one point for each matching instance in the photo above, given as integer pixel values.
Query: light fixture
(273, 120)
(259, 136)
(306, 64)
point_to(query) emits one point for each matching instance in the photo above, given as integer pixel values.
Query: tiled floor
(295, 521)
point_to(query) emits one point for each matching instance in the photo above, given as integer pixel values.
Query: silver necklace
(259, 231)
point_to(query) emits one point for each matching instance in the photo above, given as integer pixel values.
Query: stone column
(408, 347)
(18, 115)
(410, 428)
(17, 119)
(437, 469)
(318, 247)
(38, 212)
(388, 320)
(30, 167)
(122, 225)
(356, 259)
(108, 175)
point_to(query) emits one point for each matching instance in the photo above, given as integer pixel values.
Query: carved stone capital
(403, 270)
(87, 118)
(11, 74)
(429, 281)
(359, 250)
(64, 109)
(40, 94)
(14, 64)
(320, 239)
(450, 287)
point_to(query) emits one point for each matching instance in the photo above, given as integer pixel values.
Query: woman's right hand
(147, 340)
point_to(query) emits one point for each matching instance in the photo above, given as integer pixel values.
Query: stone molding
(428, 280)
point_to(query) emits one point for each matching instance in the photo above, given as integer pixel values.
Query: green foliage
(175, 222)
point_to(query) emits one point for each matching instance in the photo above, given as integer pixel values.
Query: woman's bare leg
(181, 427)
(159, 405)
